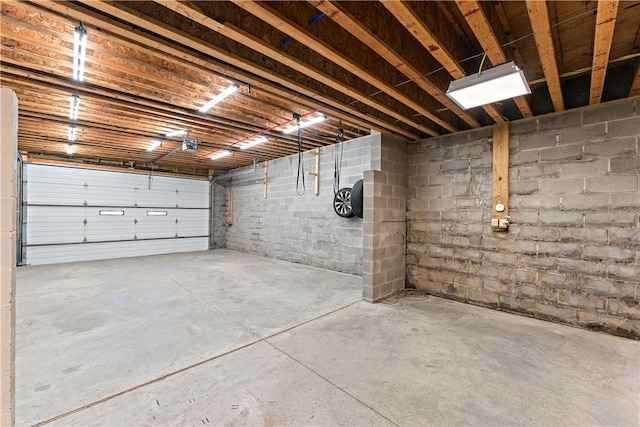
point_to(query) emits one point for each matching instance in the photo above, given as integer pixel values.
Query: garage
(320, 213)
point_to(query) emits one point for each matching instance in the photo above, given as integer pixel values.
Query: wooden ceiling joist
(194, 13)
(420, 32)
(237, 68)
(605, 24)
(343, 18)
(541, 26)
(285, 25)
(477, 20)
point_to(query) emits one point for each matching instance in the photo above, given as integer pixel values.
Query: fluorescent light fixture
(74, 107)
(304, 124)
(154, 144)
(222, 95)
(79, 52)
(220, 154)
(176, 133)
(69, 149)
(498, 83)
(252, 142)
(110, 213)
(71, 135)
(156, 213)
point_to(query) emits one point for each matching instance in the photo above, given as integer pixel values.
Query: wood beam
(288, 27)
(605, 24)
(349, 23)
(541, 25)
(477, 20)
(500, 195)
(412, 22)
(235, 67)
(238, 35)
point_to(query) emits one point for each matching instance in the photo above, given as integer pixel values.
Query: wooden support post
(316, 173)
(264, 181)
(230, 216)
(500, 209)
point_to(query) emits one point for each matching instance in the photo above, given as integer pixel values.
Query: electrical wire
(408, 294)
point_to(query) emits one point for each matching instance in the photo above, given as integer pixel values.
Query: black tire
(342, 203)
(356, 199)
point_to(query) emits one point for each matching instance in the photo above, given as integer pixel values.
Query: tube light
(74, 107)
(156, 213)
(498, 83)
(79, 52)
(222, 95)
(220, 154)
(70, 149)
(251, 143)
(110, 213)
(71, 135)
(175, 133)
(154, 144)
(312, 121)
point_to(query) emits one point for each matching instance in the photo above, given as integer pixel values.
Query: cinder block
(559, 218)
(554, 312)
(536, 141)
(583, 235)
(612, 147)
(585, 167)
(584, 202)
(625, 200)
(562, 185)
(625, 164)
(612, 218)
(571, 119)
(563, 153)
(608, 112)
(607, 287)
(608, 253)
(524, 157)
(581, 300)
(584, 134)
(625, 127)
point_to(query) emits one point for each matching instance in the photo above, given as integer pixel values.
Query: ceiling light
(69, 149)
(176, 133)
(71, 135)
(79, 52)
(220, 154)
(74, 107)
(154, 144)
(252, 142)
(498, 83)
(228, 91)
(309, 122)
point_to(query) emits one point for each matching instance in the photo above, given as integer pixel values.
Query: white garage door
(76, 214)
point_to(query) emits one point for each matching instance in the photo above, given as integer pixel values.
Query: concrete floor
(228, 338)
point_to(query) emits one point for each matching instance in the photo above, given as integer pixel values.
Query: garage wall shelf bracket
(316, 173)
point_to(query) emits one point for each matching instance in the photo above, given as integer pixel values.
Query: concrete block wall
(572, 253)
(296, 228)
(8, 224)
(385, 223)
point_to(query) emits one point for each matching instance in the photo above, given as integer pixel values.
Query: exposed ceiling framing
(365, 65)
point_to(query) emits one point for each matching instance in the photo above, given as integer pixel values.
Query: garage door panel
(64, 205)
(53, 254)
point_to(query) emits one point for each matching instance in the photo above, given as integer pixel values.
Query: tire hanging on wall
(342, 203)
(357, 199)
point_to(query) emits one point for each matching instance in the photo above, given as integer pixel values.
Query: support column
(8, 210)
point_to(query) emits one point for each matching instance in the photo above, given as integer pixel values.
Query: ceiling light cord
(482, 64)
